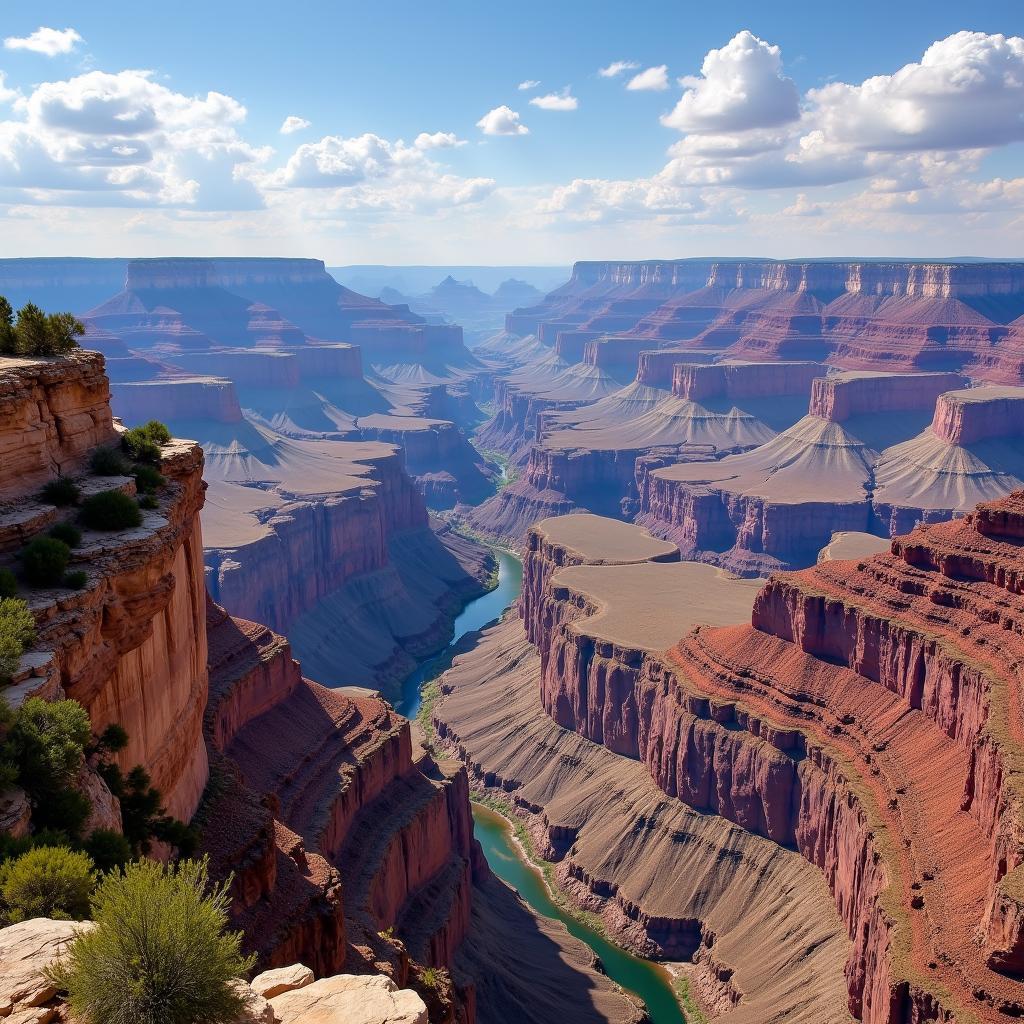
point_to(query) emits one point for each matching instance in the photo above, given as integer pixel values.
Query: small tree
(159, 954)
(47, 882)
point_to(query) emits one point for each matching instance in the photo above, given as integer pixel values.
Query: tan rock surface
(26, 950)
(281, 980)
(350, 999)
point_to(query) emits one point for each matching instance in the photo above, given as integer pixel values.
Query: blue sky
(781, 129)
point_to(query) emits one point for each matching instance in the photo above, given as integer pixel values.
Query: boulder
(281, 980)
(26, 951)
(350, 999)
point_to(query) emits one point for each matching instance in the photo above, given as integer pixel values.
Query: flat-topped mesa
(896, 278)
(619, 357)
(246, 368)
(53, 414)
(385, 341)
(178, 399)
(743, 380)
(581, 539)
(964, 417)
(255, 272)
(971, 452)
(656, 368)
(171, 273)
(843, 396)
(317, 362)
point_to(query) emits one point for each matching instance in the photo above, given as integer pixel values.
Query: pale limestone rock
(281, 980)
(257, 1010)
(350, 999)
(26, 950)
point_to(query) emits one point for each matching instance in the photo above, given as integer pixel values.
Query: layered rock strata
(896, 316)
(587, 459)
(865, 719)
(53, 413)
(849, 465)
(600, 599)
(130, 645)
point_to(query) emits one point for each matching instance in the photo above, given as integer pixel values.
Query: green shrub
(67, 532)
(44, 561)
(148, 502)
(17, 632)
(108, 849)
(111, 510)
(159, 953)
(148, 478)
(112, 739)
(62, 491)
(76, 580)
(50, 737)
(108, 462)
(8, 583)
(35, 333)
(47, 742)
(143, 443)
(47, 882)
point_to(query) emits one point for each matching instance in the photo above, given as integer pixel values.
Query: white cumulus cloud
(966, 91)
(556, 101)
(652, 79)
(438, 140)
(617, 67)
(741, 86)
(50, 42)
(502, 120)
(293, 123)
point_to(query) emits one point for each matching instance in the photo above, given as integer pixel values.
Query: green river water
(645, 979)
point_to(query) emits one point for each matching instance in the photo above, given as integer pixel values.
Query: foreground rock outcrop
(287, 996)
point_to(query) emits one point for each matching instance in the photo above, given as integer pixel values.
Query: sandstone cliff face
(130, 646)
(353, 835)
(863, 721)
(53, 413)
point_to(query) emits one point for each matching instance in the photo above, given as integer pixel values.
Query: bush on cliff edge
(160, 953)
(17, 633)
(36, 333)
(47, 881)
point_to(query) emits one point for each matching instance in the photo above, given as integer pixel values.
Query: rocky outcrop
(864, 720)
(53, 414)
(129, 645)
(287, 996)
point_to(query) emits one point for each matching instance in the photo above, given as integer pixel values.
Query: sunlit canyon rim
(754, 716)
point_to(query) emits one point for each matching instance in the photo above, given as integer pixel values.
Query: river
(651, 982)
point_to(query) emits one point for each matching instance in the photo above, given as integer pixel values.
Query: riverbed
(651, 982)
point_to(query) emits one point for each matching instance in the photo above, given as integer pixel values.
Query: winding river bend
(651, 982)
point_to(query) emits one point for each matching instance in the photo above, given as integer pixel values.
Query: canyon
(753, 716)
(350, 847)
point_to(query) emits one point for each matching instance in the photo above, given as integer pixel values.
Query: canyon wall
(866, 720)
(857, 315)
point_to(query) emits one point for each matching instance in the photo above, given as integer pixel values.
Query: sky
(406, 132)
